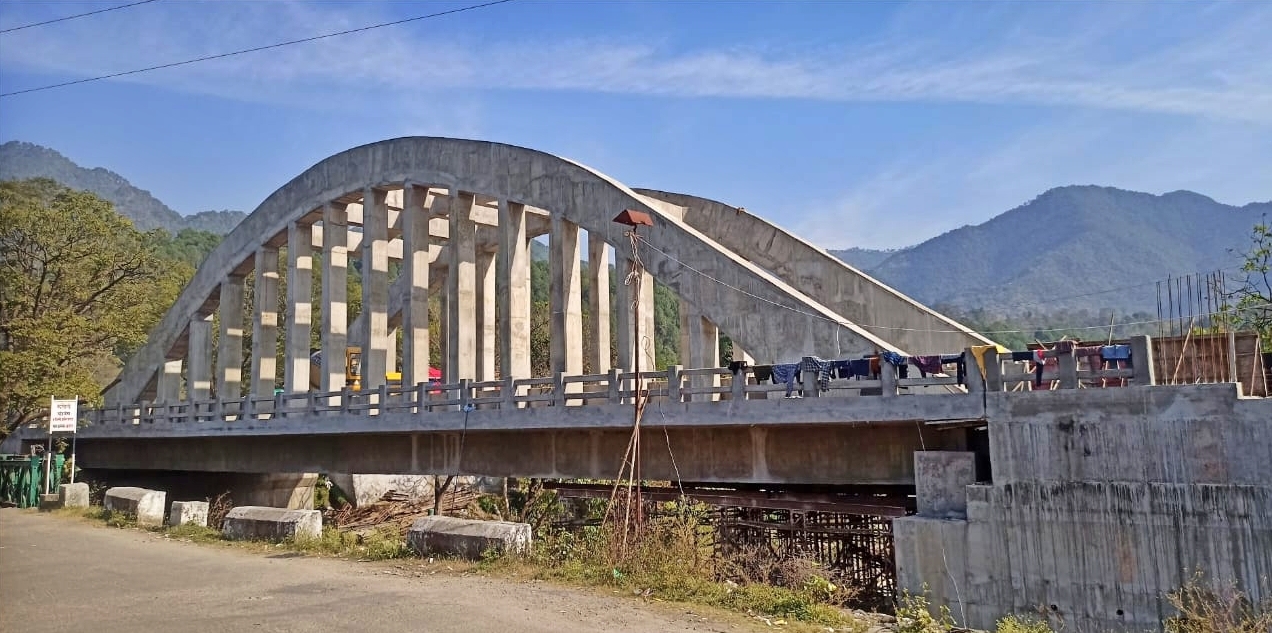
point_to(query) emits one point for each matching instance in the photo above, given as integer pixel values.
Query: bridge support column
(485, 300)
(513, 287)
(566, 297)
(598, 304)
(229, 359)
(415, 261)
(461, 331)
(375, 288)
(169, 390)
(265, 323)
(300, 280)
(199, 359)
(628, 346)
(699, 347)
(335, 300)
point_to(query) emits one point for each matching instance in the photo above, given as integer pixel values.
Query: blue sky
(854, 124)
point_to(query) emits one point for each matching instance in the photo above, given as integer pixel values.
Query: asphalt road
(61, 574)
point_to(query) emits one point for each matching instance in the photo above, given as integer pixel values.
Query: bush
(1222, 609)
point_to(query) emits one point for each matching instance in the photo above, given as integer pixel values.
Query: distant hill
(19, 160)
(1070, 241)
(864, 258)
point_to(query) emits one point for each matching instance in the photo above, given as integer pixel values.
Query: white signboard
(63, 416)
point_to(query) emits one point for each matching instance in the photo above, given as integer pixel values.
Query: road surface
(61, 574)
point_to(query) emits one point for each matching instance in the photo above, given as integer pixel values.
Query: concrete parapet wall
(147, 506)
(251, 523)
(449, 536)
(1169, 434)
(1102, 502)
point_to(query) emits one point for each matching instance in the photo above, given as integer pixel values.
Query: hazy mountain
(864, 258)
(1072, 241)
(19, 160)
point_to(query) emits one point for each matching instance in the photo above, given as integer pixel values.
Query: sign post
(63, 418)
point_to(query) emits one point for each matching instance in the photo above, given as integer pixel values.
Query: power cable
(255, 49)
(72, 17)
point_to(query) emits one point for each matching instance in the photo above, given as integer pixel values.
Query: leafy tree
(1251, 301)
(79, 286)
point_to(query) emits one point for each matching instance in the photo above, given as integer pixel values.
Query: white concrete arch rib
(858, 297)
(771, 319)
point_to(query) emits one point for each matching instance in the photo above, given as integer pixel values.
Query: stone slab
(50, 502)
(188, 512)
(73, 495)
(271, 524)
(146, 506)
(467, 538)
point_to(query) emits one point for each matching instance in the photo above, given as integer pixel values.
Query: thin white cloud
(1211, 73)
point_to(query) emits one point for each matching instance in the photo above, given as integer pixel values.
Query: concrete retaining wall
(147, 506)
(1102, 502)
(467, 538)
(250, 523)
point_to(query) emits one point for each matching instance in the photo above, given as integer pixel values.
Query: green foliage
(79, 286)
(1251, 299)
(1022, 624)
(914, 615)
(189, 247)
(380, 544)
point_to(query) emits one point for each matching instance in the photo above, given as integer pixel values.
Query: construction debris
(398, 510)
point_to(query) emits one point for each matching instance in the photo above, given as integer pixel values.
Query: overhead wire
(926, 330)
(72, 17)
(255, 49)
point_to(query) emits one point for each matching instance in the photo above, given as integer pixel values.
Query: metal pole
(74, 436)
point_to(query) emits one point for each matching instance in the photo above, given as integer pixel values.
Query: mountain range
(1073, 247)
(19, 160)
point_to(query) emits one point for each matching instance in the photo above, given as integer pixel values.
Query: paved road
(59, 574)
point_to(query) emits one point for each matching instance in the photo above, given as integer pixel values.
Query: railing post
(421, 397)
(465, 393)
(674, 379)
(738, 388)
(311, 402)
(346, 400)
(382, 398)
(810, 388)
(887, 379)
(508, 394)
(558, 389)
(615, 387)
(974, 379)
(279, 409)
(1143, 370)
(1068, 367)
(144, 414)
(245, 409)
(993, 371)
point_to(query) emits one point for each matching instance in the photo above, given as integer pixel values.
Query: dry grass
(1217, 608)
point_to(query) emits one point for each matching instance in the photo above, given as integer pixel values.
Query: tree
(80, 287)
(1251, 301)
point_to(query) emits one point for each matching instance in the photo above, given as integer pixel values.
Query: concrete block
(940, 481)
(147, 506)
(271, 524)
(50, 502)
(467, 538)
(73, 495)
(186, 512)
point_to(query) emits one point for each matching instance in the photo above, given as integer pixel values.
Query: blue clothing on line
(1115, 352)
(786, 374)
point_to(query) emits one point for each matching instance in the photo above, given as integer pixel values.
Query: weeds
(379, 544)
(1221, 609)
(1022, 624)
(914, 615)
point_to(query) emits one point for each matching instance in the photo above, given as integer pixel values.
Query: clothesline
(870, 366)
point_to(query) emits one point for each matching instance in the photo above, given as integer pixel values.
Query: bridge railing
(676, 384)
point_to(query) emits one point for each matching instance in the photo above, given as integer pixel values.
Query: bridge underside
(881, 454)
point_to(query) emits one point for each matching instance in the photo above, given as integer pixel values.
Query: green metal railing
(22, 479)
